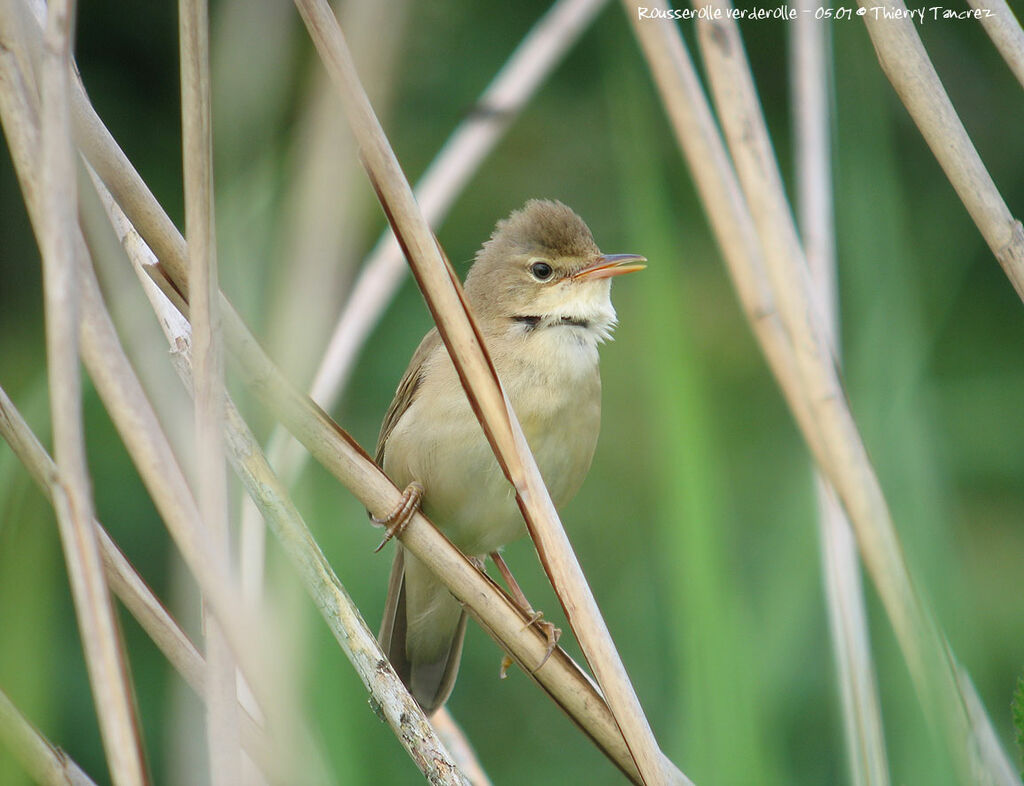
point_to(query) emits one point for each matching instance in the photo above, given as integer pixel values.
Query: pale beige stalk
(1004, 29)
(447, 303)
(841, 453)
(47, 764)
(862, 717)
(197, 147)
(46, 174)
(323, 209)
(905, 62)
(271, 498)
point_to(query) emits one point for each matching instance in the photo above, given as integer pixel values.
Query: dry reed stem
(122, 578)
(991, 749)
(212, 496)
(111, 372)
(724, 204)
(533, 60)
(47, 764)
(865, 737)
(906, 64)
(1005, 31)
(447, 303)
(842, 454)
(46, 170)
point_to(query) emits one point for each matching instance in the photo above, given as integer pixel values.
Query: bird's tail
(422, 632)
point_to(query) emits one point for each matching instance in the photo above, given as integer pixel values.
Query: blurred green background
(696, 525)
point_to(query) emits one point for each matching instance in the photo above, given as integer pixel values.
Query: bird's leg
(396, 520)
(551, 633)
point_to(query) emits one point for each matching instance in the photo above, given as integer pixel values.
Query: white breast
(557, 401)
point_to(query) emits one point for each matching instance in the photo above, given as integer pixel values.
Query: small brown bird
(540, 291)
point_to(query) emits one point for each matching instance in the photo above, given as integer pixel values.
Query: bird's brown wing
(430, 679)
(406, 391)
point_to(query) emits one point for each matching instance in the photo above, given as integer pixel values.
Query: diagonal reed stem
(1005, 31)
(461, 336)
(906, 64)
(47, 764)
(124, 581)
(771, 273)
(533, 60)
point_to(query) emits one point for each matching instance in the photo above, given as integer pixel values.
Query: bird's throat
(532, 321)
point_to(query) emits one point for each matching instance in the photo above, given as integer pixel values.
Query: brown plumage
(540, 291)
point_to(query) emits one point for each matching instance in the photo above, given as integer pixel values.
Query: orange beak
(611, 265)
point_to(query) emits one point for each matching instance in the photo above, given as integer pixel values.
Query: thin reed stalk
(1005, 31)
(462, 338)
(46, 158)
(800, 357)
(810, 67)
(212, 497)
(906, 64)
(401, 711)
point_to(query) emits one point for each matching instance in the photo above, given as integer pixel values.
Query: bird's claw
(397, 519)
(551, 633)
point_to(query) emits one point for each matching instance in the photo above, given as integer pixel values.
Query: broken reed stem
(46, 158)
(906, 64)
(810, 68)
(447, 303)
(123, 579)
(47, 764)
(197, 148)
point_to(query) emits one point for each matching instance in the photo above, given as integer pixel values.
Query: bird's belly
(466, 494)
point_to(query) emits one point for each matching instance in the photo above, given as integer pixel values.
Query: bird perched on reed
(540, 291)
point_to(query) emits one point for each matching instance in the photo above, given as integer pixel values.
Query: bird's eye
(541, 271)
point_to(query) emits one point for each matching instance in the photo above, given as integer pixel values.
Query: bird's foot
(551, 632)
(396, 520)
(536, 618)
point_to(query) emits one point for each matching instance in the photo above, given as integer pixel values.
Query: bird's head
(541, 269)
